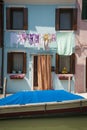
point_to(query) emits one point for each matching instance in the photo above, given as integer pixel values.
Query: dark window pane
(18, 62)
(17, 20)
(64, 62)
(65, 21)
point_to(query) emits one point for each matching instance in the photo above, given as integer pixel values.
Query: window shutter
(8, 23)
(74, 26)
(25, 19)
(24, 63)
(57, 19)
(57, 64)
(9, 62)
(84, 9)
(72, 64)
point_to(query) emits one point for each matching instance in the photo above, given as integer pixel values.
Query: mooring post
(4, 87)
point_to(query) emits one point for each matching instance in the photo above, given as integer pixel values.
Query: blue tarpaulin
(38, 96)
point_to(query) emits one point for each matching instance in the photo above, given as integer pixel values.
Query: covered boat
(42, 103)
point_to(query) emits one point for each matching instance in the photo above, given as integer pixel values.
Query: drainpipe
(2, 69)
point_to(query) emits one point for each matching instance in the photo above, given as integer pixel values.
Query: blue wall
(41, 15)
(38, 16)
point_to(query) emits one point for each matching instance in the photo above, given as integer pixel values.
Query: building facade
(45, 45)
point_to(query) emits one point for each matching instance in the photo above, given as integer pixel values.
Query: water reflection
(60, 123)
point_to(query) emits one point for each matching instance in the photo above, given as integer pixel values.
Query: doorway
(42, 72)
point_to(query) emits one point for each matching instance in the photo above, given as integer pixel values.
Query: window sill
(11, 30)
(65, 76)
(17, 76)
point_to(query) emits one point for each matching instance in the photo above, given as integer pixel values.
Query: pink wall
(81, 51)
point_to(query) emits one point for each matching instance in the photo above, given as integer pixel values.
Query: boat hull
(67, 108)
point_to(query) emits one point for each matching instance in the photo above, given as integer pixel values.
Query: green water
(58, 123)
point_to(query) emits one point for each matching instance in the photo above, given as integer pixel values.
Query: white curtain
(65, 43)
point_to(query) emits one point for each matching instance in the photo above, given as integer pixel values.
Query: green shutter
(84, 9)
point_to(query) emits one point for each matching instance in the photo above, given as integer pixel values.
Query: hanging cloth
(65, 43)
(44, 72)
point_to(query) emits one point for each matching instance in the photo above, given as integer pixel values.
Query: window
(65, 64)
(66, 19)
(84, 9)
(16, 62)
(17, 18)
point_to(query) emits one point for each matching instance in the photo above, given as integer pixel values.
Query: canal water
(55, 123)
